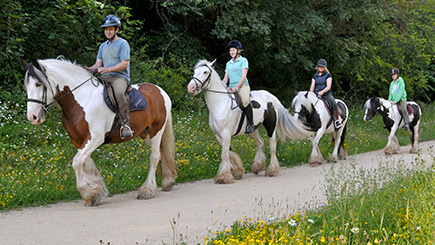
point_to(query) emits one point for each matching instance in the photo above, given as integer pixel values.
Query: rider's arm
(98, 64)
(313, 84)
(118, 67)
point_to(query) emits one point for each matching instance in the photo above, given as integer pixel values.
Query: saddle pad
(137, 101)
(408, 108)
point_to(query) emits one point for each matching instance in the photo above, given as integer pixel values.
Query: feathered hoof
(146, 193)
(315, 164)
(222, 179)
(271, 173)
(333, 159)
(238, 175)
(168, 185)
(413, 151)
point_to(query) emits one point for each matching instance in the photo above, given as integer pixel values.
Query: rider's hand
(233, 89)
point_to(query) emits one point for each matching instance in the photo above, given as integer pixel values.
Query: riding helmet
(234, 44)
(395, 71)
(322, 63)
(111, 20)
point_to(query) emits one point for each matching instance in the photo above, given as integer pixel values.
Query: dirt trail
(197, 208)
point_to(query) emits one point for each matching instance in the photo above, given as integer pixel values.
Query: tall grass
(35, 161)
(387, 205)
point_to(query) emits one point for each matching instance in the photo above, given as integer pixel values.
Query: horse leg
(333, 158)
(415, 137)
(89, 182)
(391, 146)
(149, 187)
(167, 151)
(224, 175)
(273, 168)
(237, 167)
(316, 157)
(260, 158)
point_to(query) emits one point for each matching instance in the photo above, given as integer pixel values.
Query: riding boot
(337, 122)
(406, 119)
(124, 113)
(250, 124)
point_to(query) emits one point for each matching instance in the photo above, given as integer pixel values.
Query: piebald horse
(313, 112)
(393, 120)
(226, 121)
(87, 120)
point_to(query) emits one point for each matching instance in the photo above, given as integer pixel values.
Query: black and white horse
(314, 113)
(393, 120)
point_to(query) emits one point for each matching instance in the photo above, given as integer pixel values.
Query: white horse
(393, 120)
(226, 121)
(88, 120)
(314, 113)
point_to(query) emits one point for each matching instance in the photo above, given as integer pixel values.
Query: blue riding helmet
(234, 44)
(111, 20)
(322, 63)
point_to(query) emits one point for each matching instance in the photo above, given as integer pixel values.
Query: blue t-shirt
(112, 53)
(234, 70)
(321, 82)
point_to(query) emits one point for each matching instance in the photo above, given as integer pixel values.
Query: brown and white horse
(87, 120)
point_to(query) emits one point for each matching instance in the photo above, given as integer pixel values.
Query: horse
(393, 120)
(88, 120)
(226, 120)
(314, 113)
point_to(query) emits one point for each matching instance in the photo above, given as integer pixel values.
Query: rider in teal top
(398, 95)
(113, 62)
(236, 72)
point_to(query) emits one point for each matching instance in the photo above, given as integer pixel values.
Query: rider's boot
(337, 122)
(250, 124)
(124, 113)
(406, 119)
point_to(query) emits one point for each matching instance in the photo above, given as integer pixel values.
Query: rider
(321, 86)
(398, 95)
(113, 62)
(236, 71)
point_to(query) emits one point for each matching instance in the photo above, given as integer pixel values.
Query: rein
(43, 102)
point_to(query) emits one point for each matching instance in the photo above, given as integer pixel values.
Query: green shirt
(397, 90)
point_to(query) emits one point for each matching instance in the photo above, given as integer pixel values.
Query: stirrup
(125, 132)
(249, 129)
(338, 124)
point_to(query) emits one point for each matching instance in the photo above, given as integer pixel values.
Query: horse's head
(371, 107)
(202, 76)
(39, 91)
(304, 101)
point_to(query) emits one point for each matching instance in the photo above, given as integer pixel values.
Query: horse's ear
(37, 65)
(296, 92)
(306, 94)
(212, 63)
(24, 64)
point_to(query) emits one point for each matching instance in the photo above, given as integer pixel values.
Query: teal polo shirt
(234, 70)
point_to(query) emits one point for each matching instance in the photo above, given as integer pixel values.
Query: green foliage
(48, 29)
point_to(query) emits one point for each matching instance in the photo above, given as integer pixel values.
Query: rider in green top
(398, 95)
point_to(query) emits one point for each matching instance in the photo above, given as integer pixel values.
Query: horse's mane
(66, 63)
(201, 63)
(300, 98)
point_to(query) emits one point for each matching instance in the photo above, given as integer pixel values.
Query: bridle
(43, 101)
(205, 83)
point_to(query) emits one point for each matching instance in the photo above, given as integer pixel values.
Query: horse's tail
(288, 126)
(167, 150)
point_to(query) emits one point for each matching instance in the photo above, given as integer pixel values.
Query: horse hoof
(315, 164)
(168, 186)
(224, 180)
(146, 193)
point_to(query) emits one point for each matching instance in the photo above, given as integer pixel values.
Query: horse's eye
(38, 84)
(205, 72)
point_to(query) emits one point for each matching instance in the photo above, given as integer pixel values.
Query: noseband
(204, 84)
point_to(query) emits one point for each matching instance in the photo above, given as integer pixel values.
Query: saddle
(328, 107)
(136, 103)
(135, 98)
(408, 108)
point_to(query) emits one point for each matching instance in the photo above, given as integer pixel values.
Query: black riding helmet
(322, 63)
(111, 20)
(234, 44)
(395, 71)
